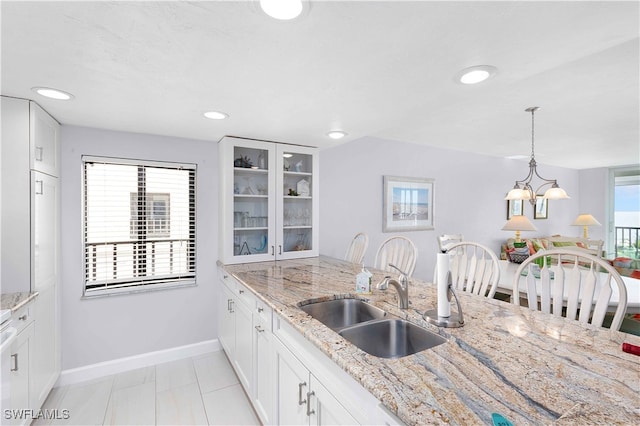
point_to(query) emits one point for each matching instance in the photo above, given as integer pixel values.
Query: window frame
(146, 282)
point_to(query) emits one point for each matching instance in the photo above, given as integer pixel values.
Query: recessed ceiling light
(216, 115)
(476, 74)
(282, 9)
(50, 93)
(337, 134)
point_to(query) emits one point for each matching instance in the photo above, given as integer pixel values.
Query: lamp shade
(586, 220)
(519, 223)
(556, 193)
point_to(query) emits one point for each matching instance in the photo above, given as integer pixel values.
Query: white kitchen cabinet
(301, 398)
(244, 330)
(30, 236)
(268, 201)
(44, 141)
(263, 364)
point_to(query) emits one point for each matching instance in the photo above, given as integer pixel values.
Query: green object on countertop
(498, 420)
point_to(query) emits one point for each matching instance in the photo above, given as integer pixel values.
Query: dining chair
(445, 240)
(357, 248)
(573, 284)
(398, 251)
(474, 268)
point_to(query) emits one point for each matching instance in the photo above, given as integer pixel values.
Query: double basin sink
(372, 329)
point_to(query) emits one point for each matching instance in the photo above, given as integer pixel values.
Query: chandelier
(523, 190)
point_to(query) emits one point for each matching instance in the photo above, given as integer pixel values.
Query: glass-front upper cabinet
(267, 206)
(297, 208)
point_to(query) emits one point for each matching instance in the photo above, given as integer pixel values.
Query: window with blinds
(139, 225)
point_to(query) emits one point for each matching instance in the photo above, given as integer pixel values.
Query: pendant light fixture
(523, 190)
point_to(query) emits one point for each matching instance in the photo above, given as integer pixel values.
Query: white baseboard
(102, 369)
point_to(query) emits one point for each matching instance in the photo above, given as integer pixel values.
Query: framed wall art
(541, 210)
(408, 204)
(514, 208)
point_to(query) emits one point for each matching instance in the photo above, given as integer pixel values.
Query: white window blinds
(139, 225)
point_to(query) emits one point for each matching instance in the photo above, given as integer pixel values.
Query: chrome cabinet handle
(232, 302)
(300, 386)
(273, 250)
(225, 277)
(23, 317)
(260, 310)
(15, 362)
(39, 187)
(309, 410)
(279, 249)
(259, 329)
(241, 291)
(229, 305)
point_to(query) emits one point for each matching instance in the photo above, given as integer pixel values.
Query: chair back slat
(545, 288)
(581, 288)
(471, 275)
(558, 289)
(573, 279)
(588, 291)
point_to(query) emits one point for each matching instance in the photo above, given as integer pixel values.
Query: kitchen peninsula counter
(529, 367)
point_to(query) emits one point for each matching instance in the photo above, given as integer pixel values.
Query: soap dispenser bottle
(363, 281)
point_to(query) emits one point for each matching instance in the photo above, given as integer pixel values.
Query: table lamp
(518, 223)
(585, 220)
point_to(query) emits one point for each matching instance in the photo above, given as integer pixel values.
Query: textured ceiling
(382, 69)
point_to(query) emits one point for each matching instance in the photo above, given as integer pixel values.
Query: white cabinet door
(292, 387)
(44, 235)
(297, 202)
(44, 141)
(15, 196)
(247, 194)
(20, 369)
(45, 359)
(263, 386)
(327, 410)
(243, 361)
(226, 320)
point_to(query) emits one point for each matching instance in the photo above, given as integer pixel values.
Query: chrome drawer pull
(15, 362)
(260, 310)
(23, 317)
(300, 385)
(309, 411)
(260, 329)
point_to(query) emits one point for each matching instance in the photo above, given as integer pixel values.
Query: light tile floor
(195, 391)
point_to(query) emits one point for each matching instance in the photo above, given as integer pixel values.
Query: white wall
(107, 328)
(469, 196)
(595, 181)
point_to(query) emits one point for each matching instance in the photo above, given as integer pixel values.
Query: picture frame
(514, 208)
(541, 209)
(408, 204)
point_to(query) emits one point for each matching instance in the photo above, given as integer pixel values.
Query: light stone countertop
(15, 301)
(530, 367)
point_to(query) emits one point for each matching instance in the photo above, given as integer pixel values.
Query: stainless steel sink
(340, 313)
(391, 338)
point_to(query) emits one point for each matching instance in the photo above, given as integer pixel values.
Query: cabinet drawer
(22, 317)
(227, 279)
(264, 312)
(246, 296)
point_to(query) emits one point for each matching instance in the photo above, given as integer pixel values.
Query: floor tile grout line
(204, 407)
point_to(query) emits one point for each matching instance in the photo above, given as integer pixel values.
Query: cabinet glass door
(297, 201)
(250, 201)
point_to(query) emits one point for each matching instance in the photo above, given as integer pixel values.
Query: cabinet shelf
(297, 227)
(289, 173)
(254, 228)
(250, 196)
(297, 197)
(249, 171)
